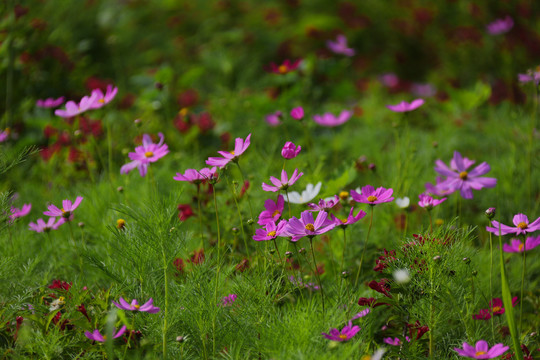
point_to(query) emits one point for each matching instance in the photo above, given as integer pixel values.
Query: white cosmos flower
(307, 195)
(403, 202)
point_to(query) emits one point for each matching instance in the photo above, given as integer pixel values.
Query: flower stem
(164, 257)
(365, 246)
(317, 273)
(288, 202)
(523, 270)
(247, 190)
(217, 271)
(200, 215)
(275, 244)
(491, 281)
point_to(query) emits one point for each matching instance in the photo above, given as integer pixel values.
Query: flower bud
(120, 189)
(436, 258)
(288, 254)
(250, 221)
(345, 274)
(235, 230)
(302, 251)
(120, 224)
(272, 251)
(81, 224)
(297, 113)
(180, 339)
(290, 151)
(474, 273)
(490, 213)
(467, 260)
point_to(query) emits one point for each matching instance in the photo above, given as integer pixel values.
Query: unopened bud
(81, 224)
(490, 213)
(158, 85)
(302, 251)
(345, 274)
(120, 224)
(235, 230)
(436, 258)
(180, 339)
(474, 273)
(120, 189)
(288, 254)
(137, 122)
(250, 221)
(272, 251)
(467, 260)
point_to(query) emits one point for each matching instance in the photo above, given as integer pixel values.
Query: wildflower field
(279, 179)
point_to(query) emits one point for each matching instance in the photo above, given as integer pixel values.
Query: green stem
(275, 244)
(247, 190)
(431, 313)
(288, 202)
(164, 257)
(523, 271)
(235, 197)
(365, 246)
(200, 216)
(129, 337)
(491, 282)
(317, 273)
(217, 271)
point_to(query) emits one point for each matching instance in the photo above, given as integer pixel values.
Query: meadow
(269, 180)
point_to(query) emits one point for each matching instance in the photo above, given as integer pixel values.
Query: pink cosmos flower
(270, 232)
(395, 341)
(517, 246)
(532, 75)
(145, 154)
(273, 211)
(297, 113)
(134, 306)
(389, 80)
(330, 120)
(196, 176)
(346, 333)
(290, 151)
(228, 300)
(351, 219)
(306, 226)
(483, 314)
(50, 102)
(458, 178)
(428, 202)
(43, 226)
(500, 26)
(423, 90)
(522, 226)
(361, 314)
(340, 46)
(286, 67)
(436, 189)
(273, 119)
(96, 335)
(371, 196)
(72, 108)
(66, 212)
(323, 204)
(16, 213)
(240, 146)
(405, 106)
(495, 308)
(481, 350)
(4, 135)
(103, 99)
(285, 182)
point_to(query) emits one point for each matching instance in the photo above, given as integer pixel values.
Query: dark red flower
(96, 83)
(185, 212)
(286, 67)
(420, 330)
(197, 257)
(188, 98)
(59, 284)
(204, 122)
(371, 302)
(244, 188)
(382, 287)
(82, 310)
(20, 11)
(179, 265)
(242, 266)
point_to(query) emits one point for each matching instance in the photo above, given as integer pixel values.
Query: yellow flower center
(366, 357)
(372, 198)
(496, 308)
(344, 220)
(439, 222)
(310, 227)
(148, 154)
(61, 299)
(101, 100)
(120, 223)
(104, 337)
(183, 111)
(283, 69)
(342, 337)
(480, 353)
(63, 211)
(344, 195)
(522, 225)
(463, 175)
(232, 152)
(521, 246)
(137, 306)
(271, 234)
(275, 213)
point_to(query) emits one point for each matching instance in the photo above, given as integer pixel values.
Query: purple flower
(437, 189)
(405, 106)
(50, 102)
(196, 176)
(72, 108)
(389, 80)
(273, 211)
(96, 336)
(66, 212)
(16, 213)
(500, 26)
(271, 231)
(395, 341)
(306, 226)
(361, 314)
(228, 300)
(103, 99)
(240, 146)
(51, 224)
(481, 350)
(273, 119)
(4, 135)
(346, 333)
(522, 226)
(290, 151)
(371, 196)
(297, 113)
(284, 183)
(428, 202)
(145, 154)
(532, 75)
(323, 204)
(134, 306)
(458, 178)
(330, 120)
(351, 219)
(518, 246)
(340, 46)
(423, 90)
